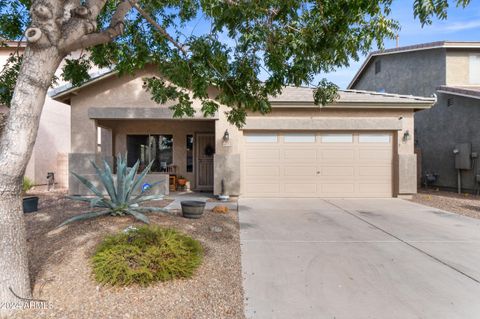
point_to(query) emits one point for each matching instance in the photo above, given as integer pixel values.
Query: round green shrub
(146, 255)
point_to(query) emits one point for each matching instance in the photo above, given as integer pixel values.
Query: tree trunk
(16, 145)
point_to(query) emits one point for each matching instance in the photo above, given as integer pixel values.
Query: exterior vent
(449, 101)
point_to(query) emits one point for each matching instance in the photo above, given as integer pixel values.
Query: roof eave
(462, 94)
(420, 105)
(64, 95)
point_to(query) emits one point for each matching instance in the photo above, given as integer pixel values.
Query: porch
(178, 149)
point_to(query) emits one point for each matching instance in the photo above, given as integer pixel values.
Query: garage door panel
(263, 155)
(337, 188)
(304, 188)
(382, 171)
(341, 155)
(325, 168)
(300, 155)
(264, 171)
(265, 188)
(375, 188)
(375, 154)
(337, 171)
(304, 171)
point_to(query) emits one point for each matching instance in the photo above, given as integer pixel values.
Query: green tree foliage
(249, 50)
(8, 78)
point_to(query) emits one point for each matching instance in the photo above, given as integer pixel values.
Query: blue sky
(461, 25)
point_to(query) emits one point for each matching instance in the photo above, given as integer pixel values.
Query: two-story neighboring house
(50, 153)
(449, 70)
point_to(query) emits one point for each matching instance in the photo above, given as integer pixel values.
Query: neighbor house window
(474, 70)
(148, 148)
(262, 138)
(378, 66)
(337, 138)
(189, 153)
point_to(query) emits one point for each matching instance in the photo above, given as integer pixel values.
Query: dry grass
(462, 204)
(61, 273)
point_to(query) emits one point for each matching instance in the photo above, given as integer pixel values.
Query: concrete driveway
(358, 258)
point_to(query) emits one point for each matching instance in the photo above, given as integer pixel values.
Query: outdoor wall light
(406, 136)
(226, 136)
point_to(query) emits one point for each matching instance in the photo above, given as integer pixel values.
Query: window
(374, 138)
(147, 148)
(378, 66)
(299, 138)
(99, 140)
(474, 71)
(337, 138)
(189, 153)
(262, 138)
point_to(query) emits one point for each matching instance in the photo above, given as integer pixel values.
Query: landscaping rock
(65, 255)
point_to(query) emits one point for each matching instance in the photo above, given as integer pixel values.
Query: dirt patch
(463, 204)
(61, 274)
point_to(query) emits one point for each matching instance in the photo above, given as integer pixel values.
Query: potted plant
(182, 181)
(30, 203)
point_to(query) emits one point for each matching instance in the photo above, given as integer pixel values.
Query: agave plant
(121, 200)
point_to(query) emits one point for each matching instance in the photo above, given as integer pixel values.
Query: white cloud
(459, 26)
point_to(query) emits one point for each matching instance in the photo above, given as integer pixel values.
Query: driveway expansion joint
(408, 243)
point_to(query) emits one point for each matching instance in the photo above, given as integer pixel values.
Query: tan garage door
(317, 164)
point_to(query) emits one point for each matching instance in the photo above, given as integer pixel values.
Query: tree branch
(159, 28)
(92, 39)
(95, 6)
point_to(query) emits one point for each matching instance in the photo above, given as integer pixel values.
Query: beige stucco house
(359, 146)
(52, 145)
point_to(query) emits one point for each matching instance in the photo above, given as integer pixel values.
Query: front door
(205, 149)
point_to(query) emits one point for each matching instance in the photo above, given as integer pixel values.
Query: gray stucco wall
(437, 132)
(415, 73)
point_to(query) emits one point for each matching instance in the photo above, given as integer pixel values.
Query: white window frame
(261, 138)
(474, 69)
(337, 138)
(299, 138)
(383, 138)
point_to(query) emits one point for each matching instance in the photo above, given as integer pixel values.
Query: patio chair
(172, 173)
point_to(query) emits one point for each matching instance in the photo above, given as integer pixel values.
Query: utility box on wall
(463, 159)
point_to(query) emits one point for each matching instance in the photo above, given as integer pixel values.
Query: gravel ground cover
(61, 274)
(463, 204)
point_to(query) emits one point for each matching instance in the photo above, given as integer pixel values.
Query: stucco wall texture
(53, 140)
(440, 128)
(416, 73)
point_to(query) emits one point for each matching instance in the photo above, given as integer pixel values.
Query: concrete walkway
(178, 197)
(358, 258)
